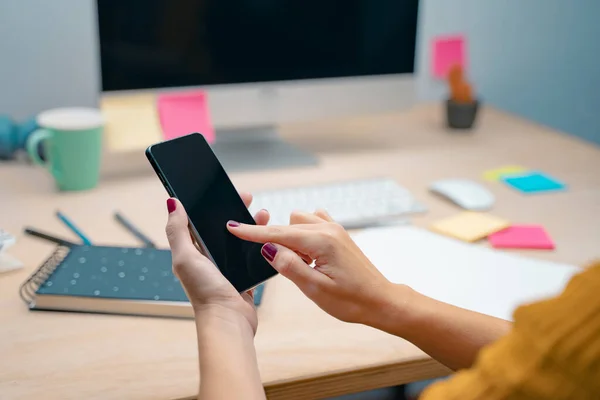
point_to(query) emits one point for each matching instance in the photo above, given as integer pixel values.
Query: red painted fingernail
(233, 224)
(171, 205)
(269, 251)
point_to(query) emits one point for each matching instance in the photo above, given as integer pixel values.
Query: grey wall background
(48, 55)
(536, 58)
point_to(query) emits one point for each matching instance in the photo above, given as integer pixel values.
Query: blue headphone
(13, 136)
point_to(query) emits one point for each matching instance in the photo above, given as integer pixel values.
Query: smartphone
(190, 172)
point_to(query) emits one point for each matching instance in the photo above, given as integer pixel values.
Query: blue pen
(258, 294)
(74, 228)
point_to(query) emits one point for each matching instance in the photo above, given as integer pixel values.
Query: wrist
(219, 318)
(395, 309)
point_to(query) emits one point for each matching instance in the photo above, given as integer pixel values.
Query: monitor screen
(148, 44)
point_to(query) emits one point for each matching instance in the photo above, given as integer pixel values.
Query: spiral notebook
(114, 280)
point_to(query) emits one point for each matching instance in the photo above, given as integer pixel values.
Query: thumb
(293, 267)
(177, 230)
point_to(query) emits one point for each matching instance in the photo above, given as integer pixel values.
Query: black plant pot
(461, 115)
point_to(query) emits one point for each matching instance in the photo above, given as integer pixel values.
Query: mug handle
(32, 145)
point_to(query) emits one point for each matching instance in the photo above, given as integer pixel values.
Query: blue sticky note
(534, 182)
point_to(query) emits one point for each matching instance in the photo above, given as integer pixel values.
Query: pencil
(134, 230)
(48, 237)
(73, 228)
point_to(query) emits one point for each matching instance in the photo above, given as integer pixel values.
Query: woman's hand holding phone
(207, 289)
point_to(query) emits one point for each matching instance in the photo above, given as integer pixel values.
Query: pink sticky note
(184, 113)
(447, 52)
(522, 237)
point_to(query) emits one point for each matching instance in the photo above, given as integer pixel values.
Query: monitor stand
(256, 148)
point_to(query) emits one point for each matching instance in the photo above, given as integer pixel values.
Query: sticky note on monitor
(447, 51)
(130, 121)
(469, 226)
(522, 237)
(534, 182)
(184, 113)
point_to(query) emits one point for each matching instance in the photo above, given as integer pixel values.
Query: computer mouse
(464, 193)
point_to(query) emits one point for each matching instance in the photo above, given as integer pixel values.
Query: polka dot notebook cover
(113, 280)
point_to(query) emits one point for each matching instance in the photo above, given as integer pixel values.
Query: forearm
(451, 335)
(228, 366)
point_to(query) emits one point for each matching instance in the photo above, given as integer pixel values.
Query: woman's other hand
(343, 282)
(206, 287)
(346, 285)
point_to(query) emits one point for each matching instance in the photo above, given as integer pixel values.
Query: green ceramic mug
(72, 143)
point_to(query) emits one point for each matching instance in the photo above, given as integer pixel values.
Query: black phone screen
(194, 175)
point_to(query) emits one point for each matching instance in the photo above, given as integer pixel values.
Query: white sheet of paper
(9, 263)
(465, 275)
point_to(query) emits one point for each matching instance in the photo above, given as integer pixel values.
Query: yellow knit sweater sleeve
(552, 352)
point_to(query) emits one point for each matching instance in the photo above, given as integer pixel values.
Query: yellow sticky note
(494, 175)
(131, 122)
(469, 226)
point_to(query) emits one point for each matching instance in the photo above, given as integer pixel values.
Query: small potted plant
(461, 108)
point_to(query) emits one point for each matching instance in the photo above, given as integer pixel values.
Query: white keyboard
(353, 204)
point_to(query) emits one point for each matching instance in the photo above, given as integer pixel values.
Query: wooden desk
(303, 353)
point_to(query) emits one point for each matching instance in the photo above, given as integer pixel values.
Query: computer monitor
(263, 62)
